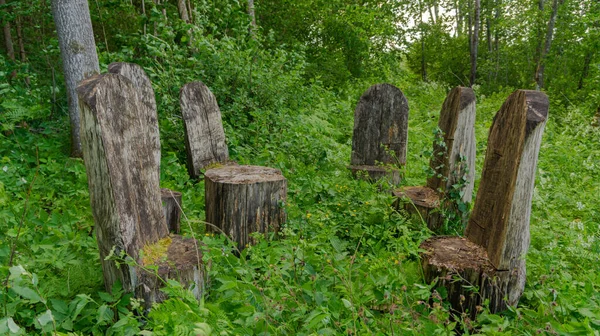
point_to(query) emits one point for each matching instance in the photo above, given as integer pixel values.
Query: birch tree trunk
(475, 42)
(252, 17)
(539, 75)
(78, 52)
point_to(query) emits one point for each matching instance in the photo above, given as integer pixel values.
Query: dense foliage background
(348, 263)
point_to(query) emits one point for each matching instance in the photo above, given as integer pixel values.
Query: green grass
(347, 263)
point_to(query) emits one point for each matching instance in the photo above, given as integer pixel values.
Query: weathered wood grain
(500, 218)
(124, 189)
(140, 80)
(380, 128)
(462, 267)
(204, 134)
(241, 200)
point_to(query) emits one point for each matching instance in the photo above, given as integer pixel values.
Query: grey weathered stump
(142, 83)
(171, 203)
(452, 163)
(125, 194)
(241, 200)
(380, 134)
(492, 257)
(204, 134)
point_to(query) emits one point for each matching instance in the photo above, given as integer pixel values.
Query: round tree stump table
(241, 200)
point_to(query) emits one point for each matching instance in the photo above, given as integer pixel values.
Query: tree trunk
(252, 17)
(423, 64)
(586, 69)
(125, 194)
(78, 52)
(539, 75)
(10, 50)
(183, 12)
(453, 163)
(475, 43)
(500, 218)
(241, 200)
(22, 54)
(458, 18)
(380, 130)
(204, 134)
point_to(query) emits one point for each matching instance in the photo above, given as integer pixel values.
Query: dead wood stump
(499, 224)
(204, 134)
(241, 200)
(452, 163)
(124, 191)
(380, 134)
(171, 201)
(142, 83)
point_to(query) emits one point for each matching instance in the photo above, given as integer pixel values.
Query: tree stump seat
(423, 200)
(241, 200)
(174, 257)
(464, 269)
(492, 256)
(453, 162)
(375, 173)
(380, 134)
(122, 166)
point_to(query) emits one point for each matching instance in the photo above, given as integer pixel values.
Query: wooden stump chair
(204, 134)
(171, 199)
(380, 134)
(492, 256)
(121, 165)
(239, 200)
(452, 163)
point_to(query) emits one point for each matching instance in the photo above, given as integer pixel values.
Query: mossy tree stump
(143, 86)
(492, 257)
(125, 195)
(241, 200)
(380, 134)
(204, 134)
(452, 163)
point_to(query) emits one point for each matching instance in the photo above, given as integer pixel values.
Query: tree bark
(143, 86)
(10, 50)
(475, 43)
(241, 200)
(204, 134)
(125, 194)
(500, 219)
(463, 269)
(78, 52)
(252, 17)
(183, 12)
(539, 75)
(380, 129)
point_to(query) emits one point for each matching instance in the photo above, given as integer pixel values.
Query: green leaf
(27, 293)
(45, 318)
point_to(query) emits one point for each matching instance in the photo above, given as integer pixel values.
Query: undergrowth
(346, 261)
